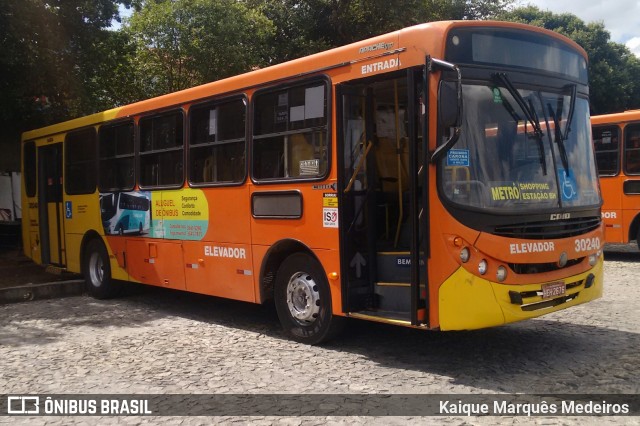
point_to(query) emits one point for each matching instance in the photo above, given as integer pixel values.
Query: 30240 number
(587, 244)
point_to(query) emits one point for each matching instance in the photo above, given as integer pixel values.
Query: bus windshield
(521, 148)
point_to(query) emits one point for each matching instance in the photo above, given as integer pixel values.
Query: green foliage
(304, 27)
(614, 72)
(51, 54)
(182, 43)
(60, 59)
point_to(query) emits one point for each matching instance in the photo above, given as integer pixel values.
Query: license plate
(553, 290)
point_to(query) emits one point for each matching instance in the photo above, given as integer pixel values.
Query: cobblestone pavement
(159, 341)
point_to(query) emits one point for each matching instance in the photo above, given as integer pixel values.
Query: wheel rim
(96, 269)
(303, 298)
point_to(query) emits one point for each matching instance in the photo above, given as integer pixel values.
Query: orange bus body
(617, 144)
(235, 238)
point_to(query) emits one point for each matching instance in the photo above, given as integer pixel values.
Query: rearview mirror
(449, 105)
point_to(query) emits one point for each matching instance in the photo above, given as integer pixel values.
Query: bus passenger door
(382, 212)
(51, 212)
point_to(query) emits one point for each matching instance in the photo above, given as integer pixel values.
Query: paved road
(158, 341)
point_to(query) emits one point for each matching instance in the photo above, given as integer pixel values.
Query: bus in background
(437, 177)
(616, 139)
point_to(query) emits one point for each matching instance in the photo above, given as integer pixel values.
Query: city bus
(616, 139)
(439, 177)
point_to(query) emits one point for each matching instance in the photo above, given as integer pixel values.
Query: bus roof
(325, 61)
(619, 117)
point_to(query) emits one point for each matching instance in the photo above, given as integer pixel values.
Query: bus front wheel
(97, 272)
(303, 300)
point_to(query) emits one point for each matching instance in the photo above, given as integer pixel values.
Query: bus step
(379, 315)
(395, 296)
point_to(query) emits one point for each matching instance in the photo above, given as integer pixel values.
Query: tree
(51, 53)
(614, 72)
(182, 43)
(308, 26)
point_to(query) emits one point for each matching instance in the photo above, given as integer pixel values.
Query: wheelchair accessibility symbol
(568, 185)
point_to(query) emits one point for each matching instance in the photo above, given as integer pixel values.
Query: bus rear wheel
(303, 300)
(97, 272)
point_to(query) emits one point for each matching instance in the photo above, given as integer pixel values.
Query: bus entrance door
(380, 199)
(51, 212)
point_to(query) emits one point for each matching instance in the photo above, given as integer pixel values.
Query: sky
(620, 17)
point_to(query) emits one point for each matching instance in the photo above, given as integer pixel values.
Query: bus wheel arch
(96, 268)
(271, 262)
(288, 268)
(302, 298)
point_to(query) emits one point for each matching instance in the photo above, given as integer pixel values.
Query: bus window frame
(634, 126)
(31, 175)
(617, 150)
(138, 142)
(247, 132)
(65, 167)
(116, 123)
(286, 85)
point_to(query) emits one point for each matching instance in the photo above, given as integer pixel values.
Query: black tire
(303, 300)
(638, 238)
(97, 272)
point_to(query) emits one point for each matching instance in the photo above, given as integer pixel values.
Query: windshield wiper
(572, 107)
(529, 112)
(560, 135)
(559, 139)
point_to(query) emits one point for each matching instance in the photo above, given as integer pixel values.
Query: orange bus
(437, 177)
(616, 139)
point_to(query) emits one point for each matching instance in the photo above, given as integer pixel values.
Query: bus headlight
(482, 267)
(593, 259)
(501, 274)
(465, 255)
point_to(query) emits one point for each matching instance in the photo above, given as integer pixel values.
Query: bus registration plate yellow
(553, 290)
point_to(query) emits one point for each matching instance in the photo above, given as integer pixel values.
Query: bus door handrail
(367, 148)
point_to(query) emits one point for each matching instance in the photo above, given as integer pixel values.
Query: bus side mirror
(449, 105)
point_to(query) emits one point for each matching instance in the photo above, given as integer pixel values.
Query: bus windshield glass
(521, 148)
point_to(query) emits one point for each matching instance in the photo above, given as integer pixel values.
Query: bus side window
(161, 149)
(217, 142)
(290, 132)
(632, 149)
(116, 154)
(80, 161)
(605, 141)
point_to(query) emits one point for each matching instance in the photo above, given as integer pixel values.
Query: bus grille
(549, 230)
(536, 268)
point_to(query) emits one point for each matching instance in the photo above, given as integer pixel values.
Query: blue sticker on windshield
(568, 185)
(458, 157)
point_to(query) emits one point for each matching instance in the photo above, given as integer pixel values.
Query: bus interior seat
(299, 150)
(207, 170)
(385, 152)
